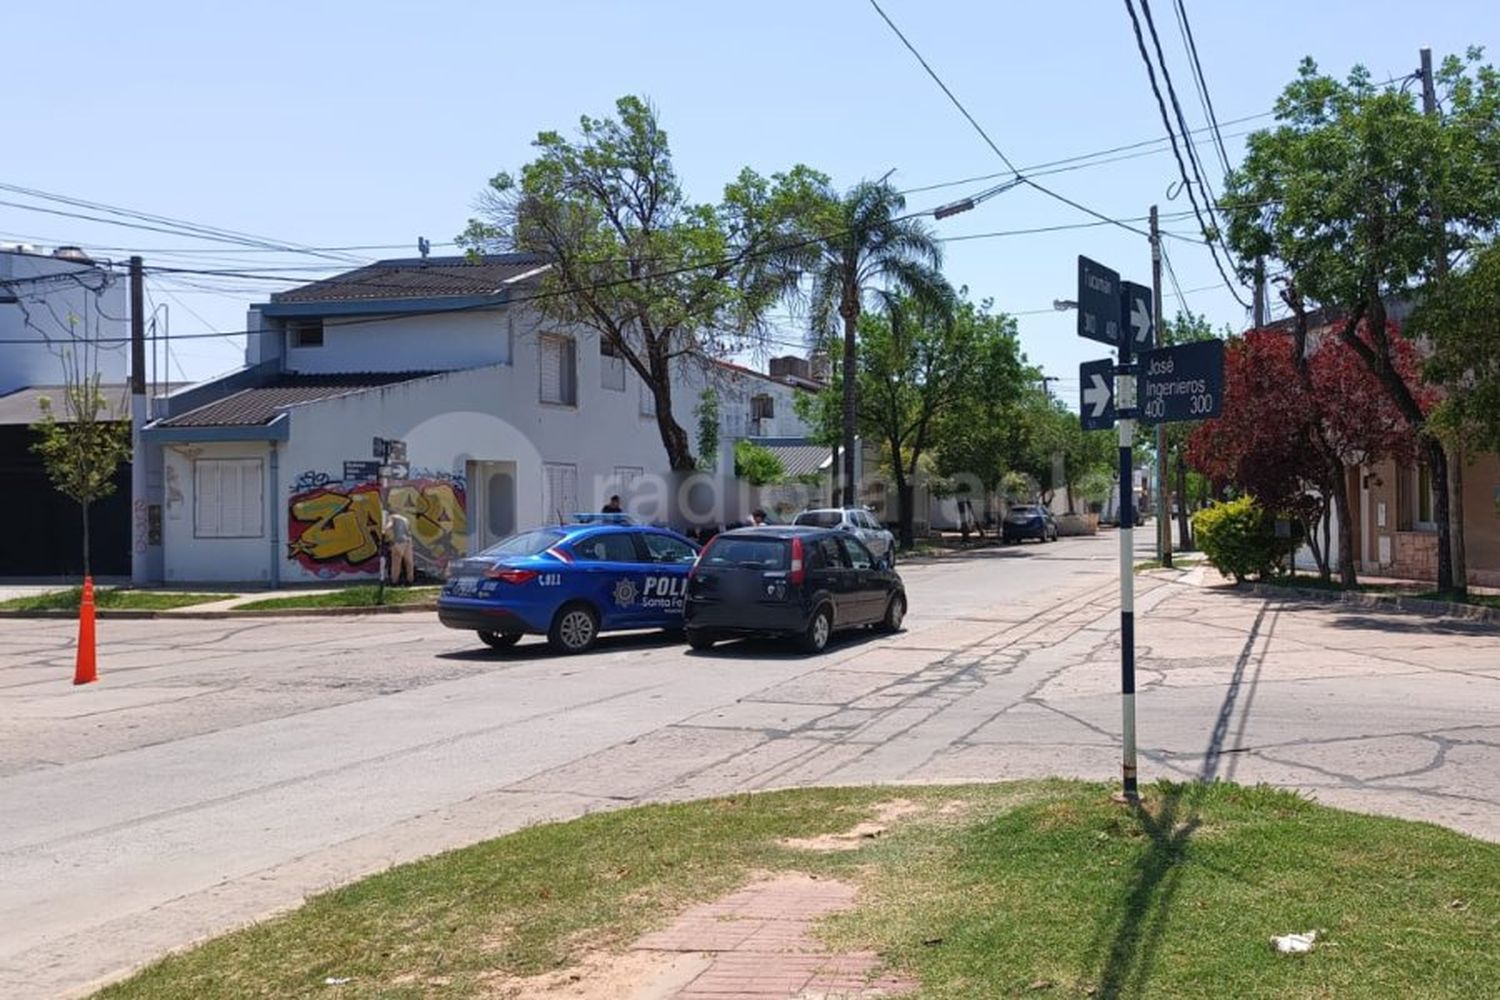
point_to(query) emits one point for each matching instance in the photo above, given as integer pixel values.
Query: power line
(1186, 27)
(1177, 154)
(986, 137)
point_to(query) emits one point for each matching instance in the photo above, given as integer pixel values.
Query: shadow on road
(536, 648)
(1409, 623)
(761, 648)
(1169, 825)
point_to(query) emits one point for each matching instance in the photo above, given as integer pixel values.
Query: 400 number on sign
(1185, 382)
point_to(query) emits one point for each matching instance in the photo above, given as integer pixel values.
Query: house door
(492, 502)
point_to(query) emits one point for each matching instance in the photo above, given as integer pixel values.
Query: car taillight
(797, 575)
(510, 574)
(561, 554)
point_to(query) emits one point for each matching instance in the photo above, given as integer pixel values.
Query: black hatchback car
(793, 582)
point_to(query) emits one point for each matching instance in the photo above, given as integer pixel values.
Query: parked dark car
(1028, 521)
(791, 582)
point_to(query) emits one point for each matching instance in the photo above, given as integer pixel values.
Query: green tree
(863, 245)
(660, 278)
(1342, 193)
(708, 429)
(81, 451)
(1460, 320)
(918, 359)
(757, 465)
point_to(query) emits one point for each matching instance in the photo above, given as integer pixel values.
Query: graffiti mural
(334, 526)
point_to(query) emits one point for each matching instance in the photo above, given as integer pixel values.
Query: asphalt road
(224, 769)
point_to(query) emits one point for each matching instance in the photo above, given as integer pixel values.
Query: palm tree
(873, 248)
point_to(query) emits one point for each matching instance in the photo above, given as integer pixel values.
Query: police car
(570, 583)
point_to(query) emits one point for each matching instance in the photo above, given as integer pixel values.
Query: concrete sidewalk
(225, 769)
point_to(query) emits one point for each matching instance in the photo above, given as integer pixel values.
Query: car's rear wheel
(819, 630)
(895, 614)
(701, 638)
(574, 628)
(499, 640)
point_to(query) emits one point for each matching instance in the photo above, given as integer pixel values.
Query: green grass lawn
(112, 598)
(1482, 600)
(361, 596)
(1026, 889)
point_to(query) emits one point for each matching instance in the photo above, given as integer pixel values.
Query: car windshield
(1023, 511)
(746, 552)
(820, 518)
(526, 543)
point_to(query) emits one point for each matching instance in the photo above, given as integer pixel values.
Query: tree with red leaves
(1297, 411)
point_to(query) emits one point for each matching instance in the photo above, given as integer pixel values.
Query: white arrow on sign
(1097, 395)
(1140, 320)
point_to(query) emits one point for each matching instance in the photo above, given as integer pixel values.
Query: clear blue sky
(374, 123)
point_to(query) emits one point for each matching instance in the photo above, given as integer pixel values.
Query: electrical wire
(986, 137)
(1181, 166)
(1186, 28)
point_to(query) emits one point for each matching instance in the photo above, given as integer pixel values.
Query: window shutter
(206, 499)
(252, 500)
(551, 370)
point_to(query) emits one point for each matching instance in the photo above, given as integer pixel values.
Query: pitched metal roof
(260, 405)
(419, 278)
(799, 459)
(23, 406)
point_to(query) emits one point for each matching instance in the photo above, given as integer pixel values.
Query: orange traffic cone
(86, 671)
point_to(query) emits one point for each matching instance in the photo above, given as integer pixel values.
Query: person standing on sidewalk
(397, 531)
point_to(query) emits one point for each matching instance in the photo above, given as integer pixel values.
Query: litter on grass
(338, 980)
(1294, 944)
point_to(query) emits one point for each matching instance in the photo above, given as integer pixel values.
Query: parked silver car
(857, 521)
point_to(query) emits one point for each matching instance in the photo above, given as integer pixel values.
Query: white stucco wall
(431, 342)
(71, 298)
(192, 558)
(480, 414)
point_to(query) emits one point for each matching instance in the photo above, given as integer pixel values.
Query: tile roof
(799, 459)
(418, 277)
(251, 407)
(23, 406)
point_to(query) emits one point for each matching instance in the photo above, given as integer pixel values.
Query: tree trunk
(851, 321)
(1437, 461)
(905, 492)
(1456, 520)
(1327, 525)
(1346, 524)
(1184, 530)
(673, 437)
(87, 566)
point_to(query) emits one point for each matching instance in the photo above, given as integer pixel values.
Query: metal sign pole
(1126, 407)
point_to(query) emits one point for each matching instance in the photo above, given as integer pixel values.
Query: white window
(626, 475)
(559, 364)
(648, 401)
(307, 333)
(611, 367)
(228, 500)
(559, 490)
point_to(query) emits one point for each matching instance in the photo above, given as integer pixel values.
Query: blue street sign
(1096, 410)
(1185, 382)
(1135, 315)
(1098, 302)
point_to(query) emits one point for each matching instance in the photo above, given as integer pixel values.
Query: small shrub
(1239, 538)
(757, 465)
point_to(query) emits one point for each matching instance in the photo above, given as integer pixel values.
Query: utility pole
(1456, 450)
(1125, 407)
(1260, 292)
(1163, 506)
(139, 565)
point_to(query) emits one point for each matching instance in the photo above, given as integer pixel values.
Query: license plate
(464, 586)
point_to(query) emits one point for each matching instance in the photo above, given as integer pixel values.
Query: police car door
(612, 563)
(670, 559)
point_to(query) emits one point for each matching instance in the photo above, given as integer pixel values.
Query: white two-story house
(274, 473)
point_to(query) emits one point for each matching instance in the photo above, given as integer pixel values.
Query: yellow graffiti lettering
(436, 513)
(341, 526)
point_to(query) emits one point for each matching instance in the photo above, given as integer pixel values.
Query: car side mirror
(883, 563)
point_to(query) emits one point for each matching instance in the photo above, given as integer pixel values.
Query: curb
(1380, 602)
(126, 614)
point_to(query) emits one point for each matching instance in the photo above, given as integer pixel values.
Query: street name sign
(1098, 302)
(1096, 410)
(361, 472)
(1185, 382)
(1135, 314)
